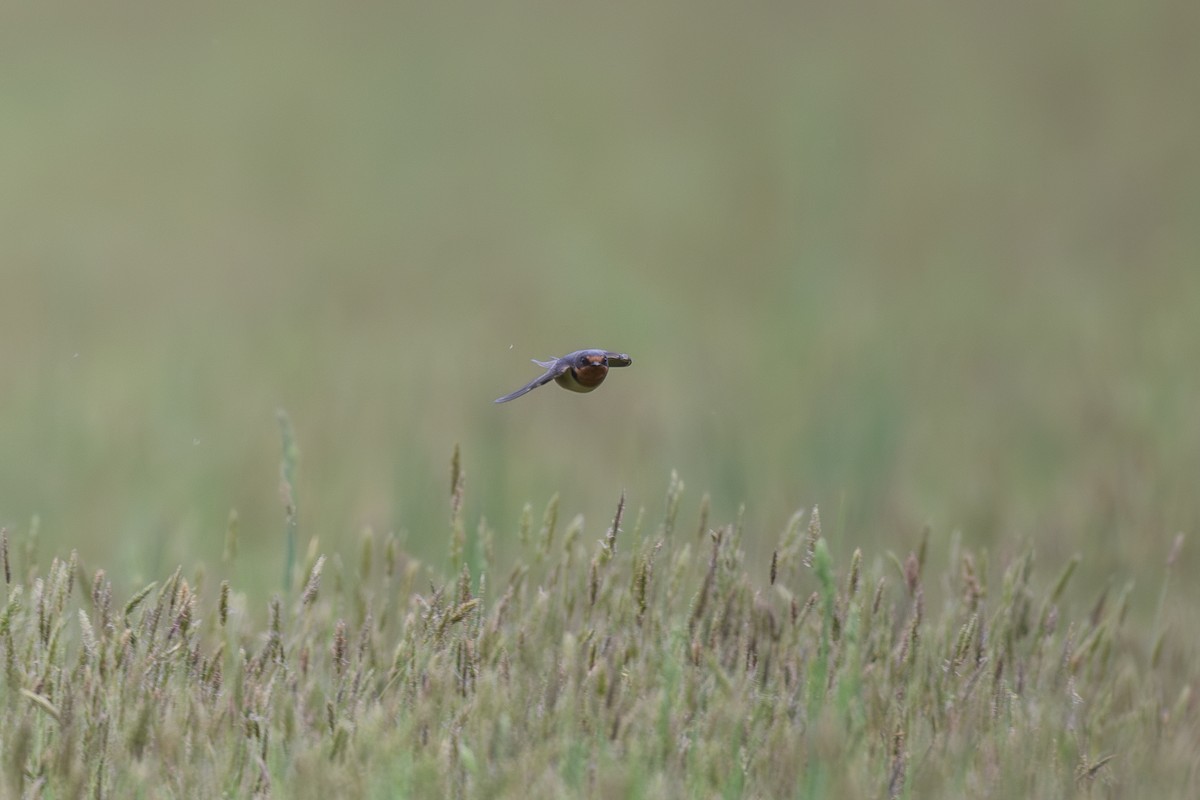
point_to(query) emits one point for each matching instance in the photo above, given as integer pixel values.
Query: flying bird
(581, 371)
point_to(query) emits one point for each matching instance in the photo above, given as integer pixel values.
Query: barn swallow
(581, 371)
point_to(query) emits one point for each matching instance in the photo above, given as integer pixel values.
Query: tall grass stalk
(287, 492)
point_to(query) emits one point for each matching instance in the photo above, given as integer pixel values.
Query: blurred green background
(919, 264)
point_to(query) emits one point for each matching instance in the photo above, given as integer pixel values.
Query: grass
(652, 661)
(924, 267)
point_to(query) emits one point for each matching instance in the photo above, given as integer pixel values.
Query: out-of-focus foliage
(916, 264)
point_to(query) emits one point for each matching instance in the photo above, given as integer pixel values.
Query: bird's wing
(556, 368)
(617, 359)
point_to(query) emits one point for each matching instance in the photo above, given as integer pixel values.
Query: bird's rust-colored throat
(591, 375)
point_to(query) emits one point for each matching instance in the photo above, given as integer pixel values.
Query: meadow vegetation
(930, 268)
(653, 661)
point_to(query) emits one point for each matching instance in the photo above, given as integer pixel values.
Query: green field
(933, 269)
(653, 663)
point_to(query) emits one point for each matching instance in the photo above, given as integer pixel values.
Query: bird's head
(586, 359)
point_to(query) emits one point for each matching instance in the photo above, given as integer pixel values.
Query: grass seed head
(814, 534)
(314, 583)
